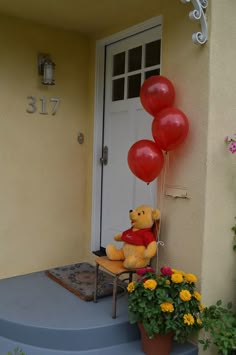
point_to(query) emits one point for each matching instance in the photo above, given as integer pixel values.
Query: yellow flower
(201, 307)
(175, 271)
(199, 321)
(131, 287)
(185, 295)
(150, 284)
(191, 278)
(167, 282)
(197, 295)
(188, 319)
(167, 307)
(177, 278)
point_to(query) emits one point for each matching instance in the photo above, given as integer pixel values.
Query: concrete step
(130, 348)
(69, 339)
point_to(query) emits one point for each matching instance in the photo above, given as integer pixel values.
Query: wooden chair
(116, 269)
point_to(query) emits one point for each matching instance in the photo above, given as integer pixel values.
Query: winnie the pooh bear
(139, 242)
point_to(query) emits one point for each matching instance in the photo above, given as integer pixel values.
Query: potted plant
(166, 304)
(219, 328)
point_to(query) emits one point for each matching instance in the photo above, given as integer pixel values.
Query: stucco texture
(43, 185)
(219, 260)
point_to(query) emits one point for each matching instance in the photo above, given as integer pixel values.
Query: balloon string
(151, 195)
(161, 192)
(163, 184)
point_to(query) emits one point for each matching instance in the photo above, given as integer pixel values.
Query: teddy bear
(139, 242)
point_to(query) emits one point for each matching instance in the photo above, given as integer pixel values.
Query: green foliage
(165, 303)
(219, 328)
(16, 351)
(234, 237)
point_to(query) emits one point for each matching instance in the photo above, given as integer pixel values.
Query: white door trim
(98, 119)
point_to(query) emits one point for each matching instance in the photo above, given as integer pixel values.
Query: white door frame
(98, 119)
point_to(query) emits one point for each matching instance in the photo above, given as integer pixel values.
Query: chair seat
(113, 266)
(116, 268)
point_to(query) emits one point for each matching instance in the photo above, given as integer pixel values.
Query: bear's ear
(156, 215)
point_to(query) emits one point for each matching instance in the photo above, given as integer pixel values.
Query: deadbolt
(104, 158)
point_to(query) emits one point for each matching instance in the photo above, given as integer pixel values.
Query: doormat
(79, 279)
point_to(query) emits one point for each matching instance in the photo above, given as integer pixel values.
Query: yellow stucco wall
(44, 218)
(187, 66)
(219, 260)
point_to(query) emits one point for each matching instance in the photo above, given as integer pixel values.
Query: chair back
(155, 229)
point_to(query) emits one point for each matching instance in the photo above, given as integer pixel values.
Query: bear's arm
(151, 250)
(117, 237)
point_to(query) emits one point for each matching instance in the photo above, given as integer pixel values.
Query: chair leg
(96, 283)
(114, 297)
(130, 276)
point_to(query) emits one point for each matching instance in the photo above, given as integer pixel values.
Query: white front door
(128, 63)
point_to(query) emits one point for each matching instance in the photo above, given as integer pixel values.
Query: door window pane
(134, 59)
(119, 63)
(153, 53)
(134, 84)
(118, 89)
(151, 73)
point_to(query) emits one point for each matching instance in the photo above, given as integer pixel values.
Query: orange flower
(167, 307)
(199, 321)
(131, 287)
(197, 295)
(191, 278)
(188, 319)
(201, 307)
(150, 284)
(177, 278)
(185, 295)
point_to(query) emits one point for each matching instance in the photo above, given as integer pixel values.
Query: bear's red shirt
(139, 237)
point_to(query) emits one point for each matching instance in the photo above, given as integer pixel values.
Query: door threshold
(100, 252)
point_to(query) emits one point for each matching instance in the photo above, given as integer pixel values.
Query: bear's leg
(113, 253)
(134, 262)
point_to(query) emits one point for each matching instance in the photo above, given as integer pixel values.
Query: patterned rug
(79, 279)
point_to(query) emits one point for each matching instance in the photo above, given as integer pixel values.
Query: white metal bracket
(198, 14)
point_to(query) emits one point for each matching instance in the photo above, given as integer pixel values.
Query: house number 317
(44, 104)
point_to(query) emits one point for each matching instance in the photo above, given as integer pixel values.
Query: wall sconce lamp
(46, 69)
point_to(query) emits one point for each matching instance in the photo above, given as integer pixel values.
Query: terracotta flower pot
(158, 345)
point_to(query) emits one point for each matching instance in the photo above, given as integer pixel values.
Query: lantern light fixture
(46, 69)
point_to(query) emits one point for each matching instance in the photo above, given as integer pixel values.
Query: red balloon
(157, 93)
(170, 128)
(145, 160)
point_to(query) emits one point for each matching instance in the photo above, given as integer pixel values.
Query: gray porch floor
(36, 300)
(43, 318)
